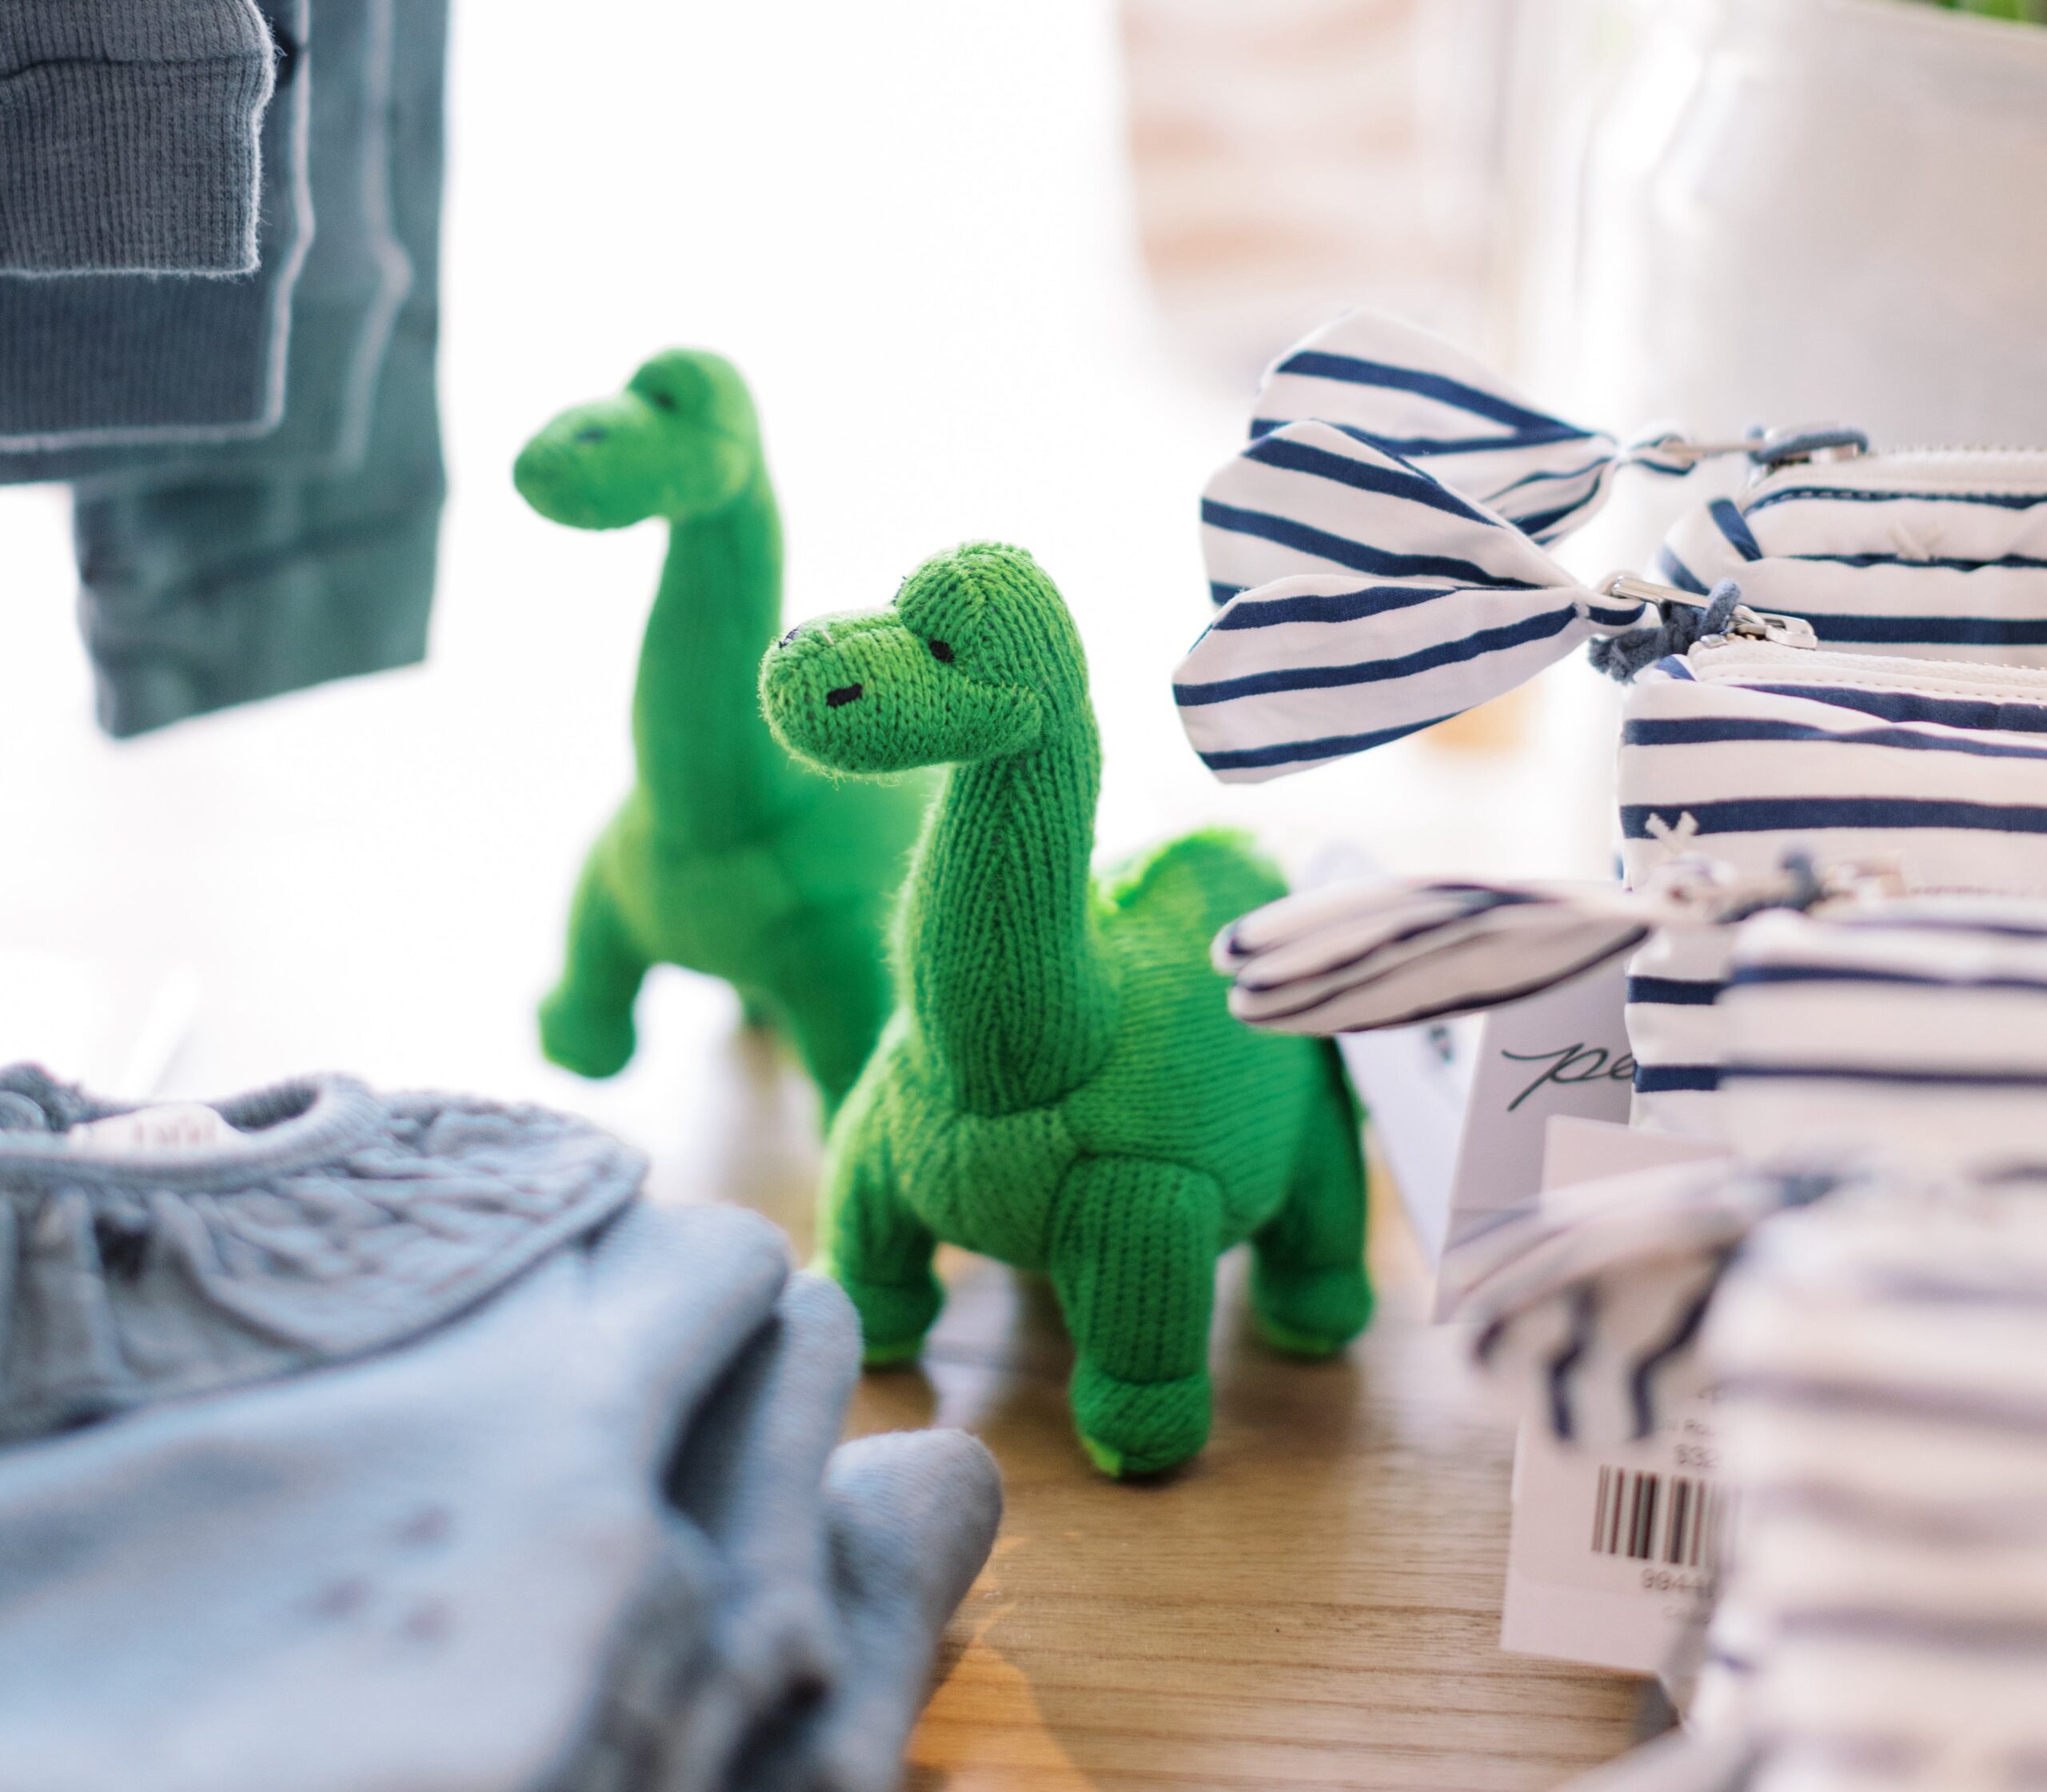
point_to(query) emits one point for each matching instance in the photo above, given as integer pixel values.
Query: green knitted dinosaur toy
(1061, 1085)
(727, 857)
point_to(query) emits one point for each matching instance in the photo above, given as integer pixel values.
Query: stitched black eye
(941, 652)
(661, 401)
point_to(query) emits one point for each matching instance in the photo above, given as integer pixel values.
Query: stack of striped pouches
(1843, 660)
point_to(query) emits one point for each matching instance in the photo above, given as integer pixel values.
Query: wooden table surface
(1314, 1602)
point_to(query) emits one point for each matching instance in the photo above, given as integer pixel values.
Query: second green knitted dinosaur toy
(727, 857)
(1061, 1085)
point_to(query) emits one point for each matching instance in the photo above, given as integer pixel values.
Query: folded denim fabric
(129, 136)
(124, 358)
(205, 591)
(827, 1600)
(751, 1477)
(327, 1223)
(345, 300)
(912, 1517)
(410, 1571)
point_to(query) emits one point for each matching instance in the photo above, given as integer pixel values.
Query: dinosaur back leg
(586, 1020)
(1309, 1291)
(829, 983)
(868, 1240)
(1134, 1247)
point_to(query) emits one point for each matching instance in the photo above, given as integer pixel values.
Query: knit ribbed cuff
(131, 150)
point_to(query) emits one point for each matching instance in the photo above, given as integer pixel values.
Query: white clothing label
(1613, 1551)
(174, 1126)
(1460, 1107)
(1562, 1053)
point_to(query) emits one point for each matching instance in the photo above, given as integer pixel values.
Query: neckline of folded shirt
(291, 1125)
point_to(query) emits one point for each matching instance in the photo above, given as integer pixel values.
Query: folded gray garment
(404, 1574)
(129, 136)
(750, 1478)
(836, 1572)
(332, 1222)
(205, 591)
(911, 1517)
(116, 358)
(344, 302)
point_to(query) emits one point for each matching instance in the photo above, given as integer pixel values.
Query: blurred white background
(913, 225)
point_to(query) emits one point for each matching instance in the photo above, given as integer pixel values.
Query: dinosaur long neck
(711, 772)
(1000, 949)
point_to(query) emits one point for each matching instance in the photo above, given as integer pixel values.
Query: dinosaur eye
(661, 401)
(941, 652)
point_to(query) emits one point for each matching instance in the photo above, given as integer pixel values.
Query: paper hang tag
(1613, 1552)
(174, 1127)
(1563, 1053)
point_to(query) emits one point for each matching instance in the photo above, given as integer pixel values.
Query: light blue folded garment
(328, 1223)
(451, 1565)
(409, 1571)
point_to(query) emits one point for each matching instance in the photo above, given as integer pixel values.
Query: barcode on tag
(1670, 1518)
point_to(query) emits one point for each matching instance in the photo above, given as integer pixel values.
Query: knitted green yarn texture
(1061, 1085)
(727, 857)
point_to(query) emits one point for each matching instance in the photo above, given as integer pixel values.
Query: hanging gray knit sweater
(128, 135)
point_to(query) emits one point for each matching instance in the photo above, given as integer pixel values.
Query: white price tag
(1613, 1552)
(173, 1126)
(1562, 1053)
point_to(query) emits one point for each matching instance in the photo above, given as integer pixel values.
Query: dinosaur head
(681, 441)
(976, 659)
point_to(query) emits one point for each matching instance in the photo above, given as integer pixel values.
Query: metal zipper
(1744, 624)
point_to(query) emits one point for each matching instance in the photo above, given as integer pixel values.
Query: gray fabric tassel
(1683, 627)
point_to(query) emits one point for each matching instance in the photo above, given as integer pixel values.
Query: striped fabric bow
(1374, 380)
(1355, 957)
(1444, 605)
(1586, 1311)
(1373, 548)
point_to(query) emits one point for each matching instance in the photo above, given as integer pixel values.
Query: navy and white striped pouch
(1907, 1035)
(1373, 547)
(1917, 1027)
(1881, 1364)
(1743, 750)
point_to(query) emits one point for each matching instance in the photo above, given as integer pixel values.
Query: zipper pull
(1630, 589)
(1796, 446)
(1766, 625)
(1806, 443)
(1745, 624)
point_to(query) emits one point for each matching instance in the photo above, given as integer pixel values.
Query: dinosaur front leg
(1134, 1248)
(586, 1020)
(1309, 1291)
(869, 1242)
